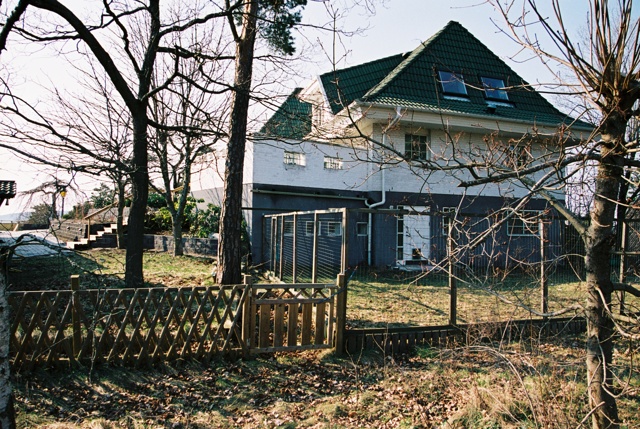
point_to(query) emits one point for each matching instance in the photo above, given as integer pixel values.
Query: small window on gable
(294, 158)
(452, 83)
(494, 89)
(332, 163)
(416, 147)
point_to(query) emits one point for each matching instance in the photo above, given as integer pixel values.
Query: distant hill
(14, 217)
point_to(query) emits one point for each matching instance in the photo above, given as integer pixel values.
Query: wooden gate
(290, 317)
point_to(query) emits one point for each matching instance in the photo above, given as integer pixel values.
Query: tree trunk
(599, 241)
(230, 245)
(140, 193)
(7, 411)
(178, 248)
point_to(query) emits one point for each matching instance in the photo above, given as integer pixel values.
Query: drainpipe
(393, 122)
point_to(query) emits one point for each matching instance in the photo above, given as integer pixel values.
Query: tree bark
(599, 240)
(140, 192)
(7, 411)
(230, 245)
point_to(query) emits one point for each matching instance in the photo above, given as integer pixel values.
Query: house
(387, 134)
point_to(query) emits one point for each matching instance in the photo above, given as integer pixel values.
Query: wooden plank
(307, 316)
(320, 325)
(274, 301)
(278, 325)
(264, 326)
(292, 325)
(287, 348)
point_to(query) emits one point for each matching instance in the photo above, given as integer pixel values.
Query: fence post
(345, 241)
(341, 312)
(281, 238)
(544, 284)
(314, 263)
(75, 315)
(295, 256)
(247, 280)
(451, 271)
(623, 262)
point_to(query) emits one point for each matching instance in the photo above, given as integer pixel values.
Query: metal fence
(504, 265)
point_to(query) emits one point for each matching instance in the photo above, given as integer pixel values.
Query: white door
(416, 242)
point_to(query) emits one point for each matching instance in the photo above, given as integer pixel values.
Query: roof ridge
(410, 58)
(368, 63)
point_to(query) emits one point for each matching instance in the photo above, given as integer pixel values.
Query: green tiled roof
(415, 82)
(411, 81)
(291, 120)
(347, 85)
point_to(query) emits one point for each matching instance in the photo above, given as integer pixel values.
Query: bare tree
(127, 54)
(606, 72)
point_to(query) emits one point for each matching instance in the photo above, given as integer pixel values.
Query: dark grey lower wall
(192, 246)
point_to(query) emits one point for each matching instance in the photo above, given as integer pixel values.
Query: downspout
(393, 122)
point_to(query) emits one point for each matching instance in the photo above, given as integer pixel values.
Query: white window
(452, 83)
(294, 158)
(447, 216)
(334, 229)
(308, 228)
(494, 89)
(362, 229)
(288, 228)
(523, 223)
(332, 163)
(416, 147)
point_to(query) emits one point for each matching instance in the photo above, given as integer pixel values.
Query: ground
(530, 384)
(472, 386)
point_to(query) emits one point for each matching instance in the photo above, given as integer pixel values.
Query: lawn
(473, 385)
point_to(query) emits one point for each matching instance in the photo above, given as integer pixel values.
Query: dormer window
(494, 89)
(452, 83)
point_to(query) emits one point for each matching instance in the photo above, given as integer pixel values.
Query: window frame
(452, 83)
(409, 142)
(330, 233)
(307, 232)
(519, 221)
(294, 158)
(288, 228)
(333, 163)
(446, 219)
(489, 89)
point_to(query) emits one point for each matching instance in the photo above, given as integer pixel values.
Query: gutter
(393, 122)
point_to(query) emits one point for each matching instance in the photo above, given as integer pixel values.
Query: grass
(471, 386)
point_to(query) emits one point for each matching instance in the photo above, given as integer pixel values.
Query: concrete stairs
(103, 236)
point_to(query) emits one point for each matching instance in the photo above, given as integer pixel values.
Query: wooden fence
(148, 325)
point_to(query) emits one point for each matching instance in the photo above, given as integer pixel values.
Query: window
(447, 216)
(288, 228)
(523, 223)
(362, 229)
(308, 228)
(294, 158)
(452, 83)
(494, 89)
(334, 229)
(416, 147)
(332, 163)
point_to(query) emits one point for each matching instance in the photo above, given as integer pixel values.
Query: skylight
(452, 83)
(494, 89)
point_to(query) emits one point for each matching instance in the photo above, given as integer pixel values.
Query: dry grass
(473, 386)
